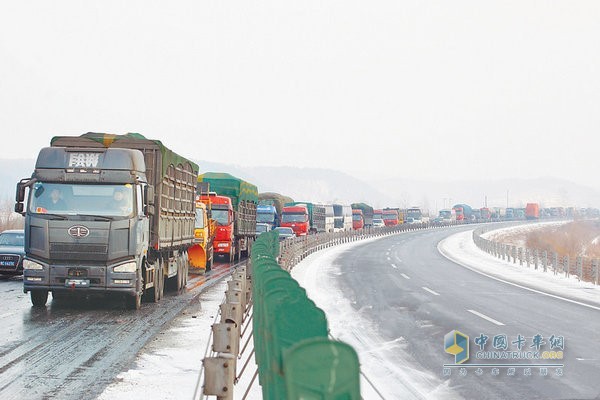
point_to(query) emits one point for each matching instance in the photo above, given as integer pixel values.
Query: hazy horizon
(435, 91)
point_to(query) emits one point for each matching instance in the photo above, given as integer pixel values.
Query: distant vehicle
(377, 214)
(532, 211)
(304, 218)
(437, 220)
(410, 220)
(391, 216)
(329, 218)
(267, 214)
(486, 214)
(262, 227)
(447, 215)
(285, 233)
(463, 212)
(367, 212)
(358, 220)
(378, 223)
(342, 218)
(12, 251)
(510, 214)
(415, 213)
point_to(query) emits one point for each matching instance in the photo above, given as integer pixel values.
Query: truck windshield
(221, 216)
(389, 217)
(88, 199)
(265, 217)
(356, 217)
(293, 217)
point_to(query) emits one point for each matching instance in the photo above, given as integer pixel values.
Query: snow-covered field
(169, 366)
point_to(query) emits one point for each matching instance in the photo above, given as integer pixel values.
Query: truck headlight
(28, 264)
(127, 267)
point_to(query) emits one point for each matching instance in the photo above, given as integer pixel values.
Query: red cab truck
(390, 216)
(233, 207)
(358, 220)
(532, 211)
(296, 217)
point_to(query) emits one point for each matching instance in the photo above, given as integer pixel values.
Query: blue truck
(267, 214)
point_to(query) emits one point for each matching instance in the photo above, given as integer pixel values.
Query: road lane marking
(406, 276)
(430, 291)
(455, 260)
(393, 266)
(492, 320)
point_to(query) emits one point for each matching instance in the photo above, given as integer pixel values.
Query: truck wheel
(39, 297)
(134, 302)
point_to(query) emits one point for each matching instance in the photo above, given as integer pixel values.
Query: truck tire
(39, 297)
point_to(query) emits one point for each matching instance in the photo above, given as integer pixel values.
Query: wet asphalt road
(73, 350)
(413, 292)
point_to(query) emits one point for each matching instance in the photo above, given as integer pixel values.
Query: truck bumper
(81, 278)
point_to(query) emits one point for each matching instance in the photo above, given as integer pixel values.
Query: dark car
(285, 233)
(12, 251)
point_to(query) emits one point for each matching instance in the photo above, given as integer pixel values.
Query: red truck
(390, 216)
(532, 211)
(358, 220)
(296, 217)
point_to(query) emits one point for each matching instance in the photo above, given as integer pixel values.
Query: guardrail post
(536, 258)
(566, 265)
(555, 262)
(545, 260)
(219, 375)
(579, 263)
(595, 264)
(527, 257)
(521, 256)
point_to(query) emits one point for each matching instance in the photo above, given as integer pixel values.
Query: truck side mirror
(20, 194)
(149, 194)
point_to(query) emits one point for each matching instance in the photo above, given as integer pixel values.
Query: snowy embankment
(461, 249)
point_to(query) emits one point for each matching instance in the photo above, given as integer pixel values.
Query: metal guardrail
(586, 269)
(294, 355)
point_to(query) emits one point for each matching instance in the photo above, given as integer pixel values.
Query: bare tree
(8, 218)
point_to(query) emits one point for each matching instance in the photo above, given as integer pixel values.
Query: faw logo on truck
(78, 231)
(79, 160)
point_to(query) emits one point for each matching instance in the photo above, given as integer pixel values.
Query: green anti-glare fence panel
(291, 317)
(284, 317)
(321, 369)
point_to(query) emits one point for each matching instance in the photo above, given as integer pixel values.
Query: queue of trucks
(124, 215)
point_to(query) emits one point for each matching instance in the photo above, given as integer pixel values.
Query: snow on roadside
(461, 249)
(521, 230)
(168, 366)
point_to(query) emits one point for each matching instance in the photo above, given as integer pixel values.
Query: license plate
(77, 282)
(7, 263)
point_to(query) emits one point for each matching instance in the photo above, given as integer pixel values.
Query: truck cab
(86, 221)
(358, 221)
(222, 213)
(296, 217)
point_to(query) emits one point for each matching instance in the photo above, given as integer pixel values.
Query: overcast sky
(422, 89)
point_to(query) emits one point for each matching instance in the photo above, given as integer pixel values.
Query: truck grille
(78, 251)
